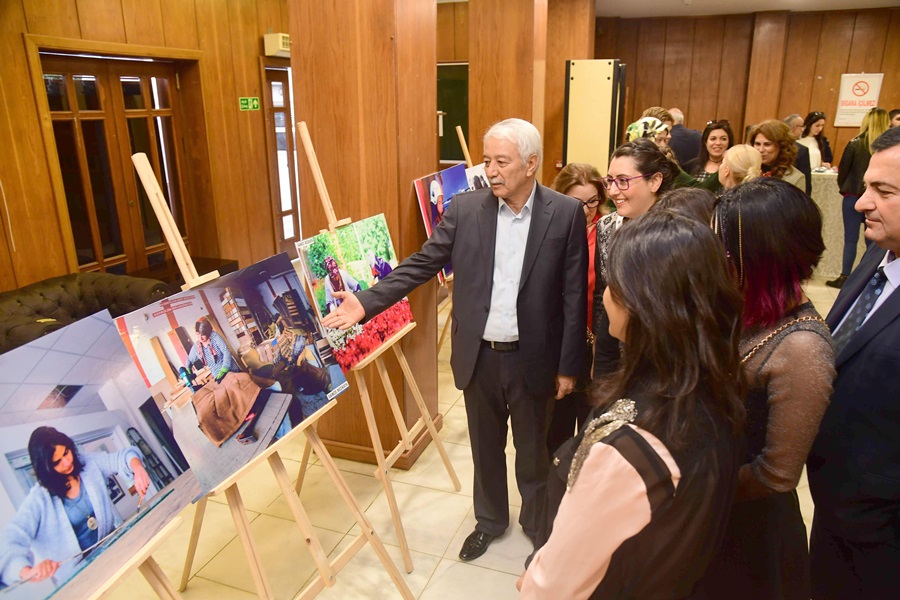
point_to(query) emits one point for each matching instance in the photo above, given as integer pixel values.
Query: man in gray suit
(519, 255)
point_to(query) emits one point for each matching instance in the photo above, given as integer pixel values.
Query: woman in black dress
(772, 235)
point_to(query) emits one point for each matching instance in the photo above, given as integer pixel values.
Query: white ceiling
(687, 8)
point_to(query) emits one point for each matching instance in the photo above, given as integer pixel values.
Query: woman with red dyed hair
(772, 234)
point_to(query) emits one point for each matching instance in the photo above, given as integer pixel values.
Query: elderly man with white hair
(519, 259)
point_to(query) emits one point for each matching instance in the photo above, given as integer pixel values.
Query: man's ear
(531, 165)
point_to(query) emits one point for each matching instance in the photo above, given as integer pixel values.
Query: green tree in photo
(349, 245)
(374, 236)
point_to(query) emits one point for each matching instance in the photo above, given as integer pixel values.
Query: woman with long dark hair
(67, 511)
(716, 138)
(772, 234)
(638, 174)
(646, 486)
(813, 138)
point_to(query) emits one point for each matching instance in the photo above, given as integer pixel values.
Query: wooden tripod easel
(385, 462)
(448, 282)
(327, 569)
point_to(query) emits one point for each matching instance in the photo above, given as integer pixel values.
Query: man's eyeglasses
(622, 182)
(590, 203)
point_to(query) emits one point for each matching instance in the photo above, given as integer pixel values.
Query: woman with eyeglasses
(773, 140)
(772, 234)
(645, 488)
(638, 174)
(715, 140)
(582, 182)
(812, 138)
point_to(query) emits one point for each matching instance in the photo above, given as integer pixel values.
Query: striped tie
(860, 310)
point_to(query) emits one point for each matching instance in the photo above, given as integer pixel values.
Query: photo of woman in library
(68, 511)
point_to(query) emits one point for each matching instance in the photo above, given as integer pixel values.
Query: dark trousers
(497, 393)
(852, 221)
(844, 569)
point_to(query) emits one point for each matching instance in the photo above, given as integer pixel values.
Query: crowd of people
(654, 322)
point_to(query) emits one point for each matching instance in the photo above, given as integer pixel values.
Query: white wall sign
(859, 95)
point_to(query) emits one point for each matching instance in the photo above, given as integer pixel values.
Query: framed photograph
(238, 361)
(351, 259)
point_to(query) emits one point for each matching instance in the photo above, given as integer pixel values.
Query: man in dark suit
(519, 257)
(854, 465)
(684, 142)
(801, 162)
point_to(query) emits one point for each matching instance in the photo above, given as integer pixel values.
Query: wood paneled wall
(233, 216)
(747, 68)
(453, 32)
(570, 36)
(507, 50)
(369, 100)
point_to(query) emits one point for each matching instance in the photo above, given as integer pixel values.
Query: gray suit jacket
(552, 302)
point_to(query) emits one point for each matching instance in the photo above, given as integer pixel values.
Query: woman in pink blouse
(647, 485)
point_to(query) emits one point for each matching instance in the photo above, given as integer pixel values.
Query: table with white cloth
(827, 196)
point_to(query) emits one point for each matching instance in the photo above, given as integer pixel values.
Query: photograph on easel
(350, 259)
(436, 191)
(240, 360)
(86, 452)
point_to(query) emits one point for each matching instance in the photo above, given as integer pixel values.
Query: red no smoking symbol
(860, 88)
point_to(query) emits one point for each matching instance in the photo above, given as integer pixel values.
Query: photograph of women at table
(85, 452)
(239, 361)
(68, 511)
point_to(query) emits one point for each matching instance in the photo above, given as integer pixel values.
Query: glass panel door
(282, 159)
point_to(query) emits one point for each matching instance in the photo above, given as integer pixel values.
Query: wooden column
(766, 67)
(507, 64)
(364, 74)
(570, 36)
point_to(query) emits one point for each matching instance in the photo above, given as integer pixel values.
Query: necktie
(860, 310)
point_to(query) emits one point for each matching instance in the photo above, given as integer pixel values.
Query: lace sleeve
(798, 375)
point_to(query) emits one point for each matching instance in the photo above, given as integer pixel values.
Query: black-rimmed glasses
(590, 203)
(622, 182)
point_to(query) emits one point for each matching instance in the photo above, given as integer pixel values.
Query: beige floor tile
(507, 553)
(258, 486)
(430, 517)
(135, 587)
(455, 429)
(453, 580)
(365, 577)
(322, 502)
(447, 392)
(286, 560)
(217, 530)
(429, 470)
(352, 466)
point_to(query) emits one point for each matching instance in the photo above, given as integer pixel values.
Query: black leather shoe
(475, 545)
(837, 283)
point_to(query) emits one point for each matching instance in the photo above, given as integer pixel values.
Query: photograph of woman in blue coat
(67, 511)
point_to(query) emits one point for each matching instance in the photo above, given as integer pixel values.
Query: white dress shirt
(509, 254)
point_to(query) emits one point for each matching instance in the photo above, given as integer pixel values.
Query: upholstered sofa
(37, 309)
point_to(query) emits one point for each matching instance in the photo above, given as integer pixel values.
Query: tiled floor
(436, 520)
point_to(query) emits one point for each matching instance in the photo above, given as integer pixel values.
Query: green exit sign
(248, 103)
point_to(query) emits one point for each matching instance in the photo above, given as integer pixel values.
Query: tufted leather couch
(37, 309)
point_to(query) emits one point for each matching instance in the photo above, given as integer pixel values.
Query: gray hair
(787, 120)
(521, 133)
(677, 116)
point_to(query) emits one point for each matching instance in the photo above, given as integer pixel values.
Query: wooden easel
(327, 570)
(149, 568)
(448, 281)
(385, 462)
